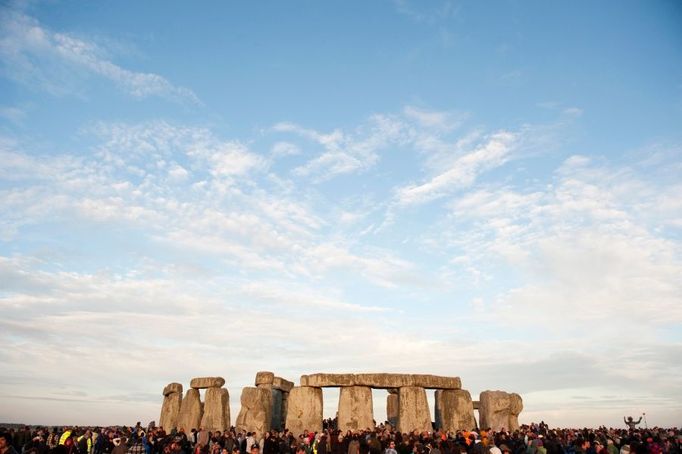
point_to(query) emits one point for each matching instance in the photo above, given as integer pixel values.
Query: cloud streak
(35, 55)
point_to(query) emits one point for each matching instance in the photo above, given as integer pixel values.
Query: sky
(491, 190)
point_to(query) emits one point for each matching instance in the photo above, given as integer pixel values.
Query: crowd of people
(529, 439)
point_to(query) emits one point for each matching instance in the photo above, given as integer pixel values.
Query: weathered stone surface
(414, 411)
(385, 381)
(436, 381)
(270, 390)
(499, 410)
(264, 378)
(355, 409)
(304, 410)
(392, 408)
(454, 410)
(172, 388)
(515, 409)
(216, 410)
(256, 410)
(190, 411)
(207, 382)
(282, 384)
(327, 380)
(437, 409)
(276, 421)
(285, 408)
(170, 410)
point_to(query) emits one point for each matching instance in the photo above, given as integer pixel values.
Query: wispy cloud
(428, 13)
(345, 153)
(213, 235)
(493, 152)
(43, 59)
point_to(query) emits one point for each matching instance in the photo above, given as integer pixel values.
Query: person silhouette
(631, 423)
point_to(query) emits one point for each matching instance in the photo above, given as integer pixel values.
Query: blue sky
(483, 189)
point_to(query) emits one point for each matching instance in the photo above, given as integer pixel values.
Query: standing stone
(276, 423)
(271, 397)
(256, 412)
(392, 407)
(190, 411)
(172, 388)
(171, 407)
(499, 410)
(216, 410)
(414, 411)
(515, 409)
(285, 408)
(454, 410)
(437, 409)
(355, 409)
(304, 410)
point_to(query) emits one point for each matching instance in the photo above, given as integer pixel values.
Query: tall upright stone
(255, 414)
(414, 414)
(454, 410)
(216, 410)
(515, 409)
(355, 409)
(304, 410)
(191, 411)
(276, 421)
(499, 410)
(172, 400)
(285, 407)
(392, 407)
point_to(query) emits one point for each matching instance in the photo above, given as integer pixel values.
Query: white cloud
(586, 244)
(177, 246)
(438, 120)
(280, 149)
(41, 58)
(345, 153)
(463, 172)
